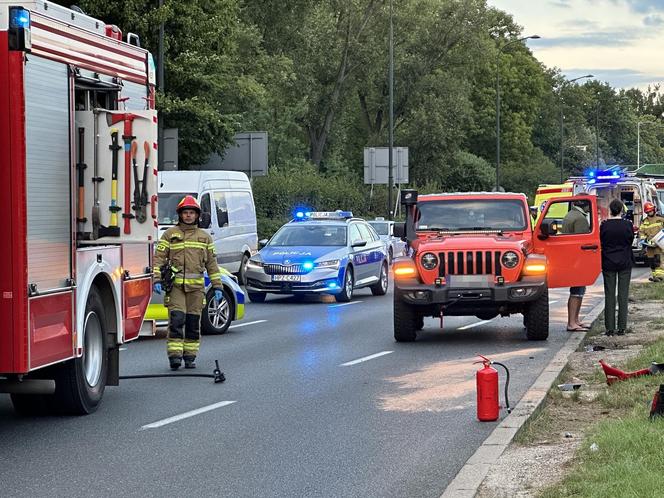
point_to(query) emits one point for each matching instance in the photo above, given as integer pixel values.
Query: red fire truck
(78, 145)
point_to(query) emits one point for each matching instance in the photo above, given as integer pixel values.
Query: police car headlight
(510, 259)
(254, 264)
(429, 261)
(332, 264)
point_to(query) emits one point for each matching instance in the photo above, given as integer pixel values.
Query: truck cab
(479, 254)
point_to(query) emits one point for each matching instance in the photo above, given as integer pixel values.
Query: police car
(320, 252)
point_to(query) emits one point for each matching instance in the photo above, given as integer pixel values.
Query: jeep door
(572, 247)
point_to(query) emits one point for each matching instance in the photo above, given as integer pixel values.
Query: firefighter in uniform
(190, 251)
(650, 227)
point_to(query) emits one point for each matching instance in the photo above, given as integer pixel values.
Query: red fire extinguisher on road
(488, 407)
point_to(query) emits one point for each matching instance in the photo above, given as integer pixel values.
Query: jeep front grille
(469, 263)
(275, 269)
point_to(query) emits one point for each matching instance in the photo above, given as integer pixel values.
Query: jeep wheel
(536, 318)
(405, 321)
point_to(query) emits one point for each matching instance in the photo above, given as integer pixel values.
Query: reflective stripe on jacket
(191, 252)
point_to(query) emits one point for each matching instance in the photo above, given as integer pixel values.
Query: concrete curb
(470, 477)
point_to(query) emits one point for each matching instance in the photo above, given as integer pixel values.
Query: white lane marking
(553, 302)
(344, 304)
(245, 324)
(123, 349)
(365, 358)
(476, 324)
(198, 411)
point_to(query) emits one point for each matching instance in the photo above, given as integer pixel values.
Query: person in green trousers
(616, 236)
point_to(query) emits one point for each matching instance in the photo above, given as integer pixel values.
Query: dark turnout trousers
(184, 322)
(622, 279)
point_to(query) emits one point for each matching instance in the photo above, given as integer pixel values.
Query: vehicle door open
(571, 245)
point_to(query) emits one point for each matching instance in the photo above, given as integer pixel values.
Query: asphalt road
(319, 401)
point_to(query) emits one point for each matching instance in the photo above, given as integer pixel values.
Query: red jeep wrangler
(477, 254)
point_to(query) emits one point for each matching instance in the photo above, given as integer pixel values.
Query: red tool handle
(153, 207)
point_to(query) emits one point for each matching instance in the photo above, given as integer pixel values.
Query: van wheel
(242, 274)
(346, 293)
(80, 383)
(217, 317)
(536, 318)
(257, 297)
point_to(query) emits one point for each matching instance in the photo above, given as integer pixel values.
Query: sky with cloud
(619, 41)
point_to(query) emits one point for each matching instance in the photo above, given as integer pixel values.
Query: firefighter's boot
(192, 339)
(175, 340)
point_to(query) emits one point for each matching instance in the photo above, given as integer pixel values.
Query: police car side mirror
(262, 243)
(400, 230)
(359, 243)
(204, 220)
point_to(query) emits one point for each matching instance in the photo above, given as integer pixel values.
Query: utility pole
(390, 180)
(160, 87)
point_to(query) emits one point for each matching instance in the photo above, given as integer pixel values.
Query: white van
(227, 197)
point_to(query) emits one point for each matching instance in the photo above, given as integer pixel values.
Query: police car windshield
(168, 203)
(381, 227)
(471, 214)
(309, 235)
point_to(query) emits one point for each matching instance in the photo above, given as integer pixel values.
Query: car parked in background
(385, 230)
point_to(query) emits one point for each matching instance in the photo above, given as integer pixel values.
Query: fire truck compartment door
(48, 178)
(573, 259)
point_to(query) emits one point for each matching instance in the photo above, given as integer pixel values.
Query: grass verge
(622, 456)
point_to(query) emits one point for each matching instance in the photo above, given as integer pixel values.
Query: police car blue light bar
(323, 215)
(610, 175)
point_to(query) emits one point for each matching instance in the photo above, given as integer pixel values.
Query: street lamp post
(562, 124)
(500, 51)
(390, 180)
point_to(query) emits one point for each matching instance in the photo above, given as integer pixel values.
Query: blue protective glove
(157, 287)
(218, 295)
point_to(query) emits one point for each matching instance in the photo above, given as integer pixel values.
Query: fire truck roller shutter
(47, 173)
(135, 95)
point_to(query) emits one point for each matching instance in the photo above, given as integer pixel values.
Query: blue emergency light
(19, 18)
(609, 175)
(308, 265)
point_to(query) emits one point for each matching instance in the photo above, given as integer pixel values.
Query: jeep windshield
(471, 215)
(309, 235)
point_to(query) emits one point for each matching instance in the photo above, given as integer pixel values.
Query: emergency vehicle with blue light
(329, 252)
(79, 220)
(479, 254)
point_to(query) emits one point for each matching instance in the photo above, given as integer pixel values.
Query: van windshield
(168, 203)
(475, 214)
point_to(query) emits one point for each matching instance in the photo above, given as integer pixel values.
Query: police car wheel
(380, 288)
(217, 317)
(346, 293)
(257, 297)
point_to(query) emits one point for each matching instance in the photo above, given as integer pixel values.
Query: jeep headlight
(510, 259)
(254, 264)
(429, 261)
(332, 264)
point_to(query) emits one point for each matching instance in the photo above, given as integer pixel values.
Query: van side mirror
(262, 243)
(204, 220)
(400, 230)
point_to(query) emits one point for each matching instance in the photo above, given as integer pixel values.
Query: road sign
(376, 161)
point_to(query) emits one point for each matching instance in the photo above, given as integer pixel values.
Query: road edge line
(469, 478)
